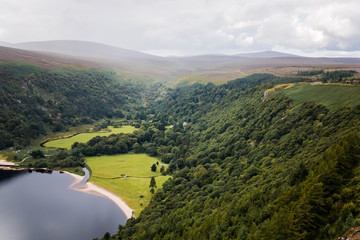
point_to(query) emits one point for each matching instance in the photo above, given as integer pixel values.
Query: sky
(190, 27)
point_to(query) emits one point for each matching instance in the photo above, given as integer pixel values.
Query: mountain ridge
(174, 71)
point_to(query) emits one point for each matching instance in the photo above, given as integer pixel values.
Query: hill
(86, 49)
(45, 60)
(128, 64)
(251, 165)
(35, 101)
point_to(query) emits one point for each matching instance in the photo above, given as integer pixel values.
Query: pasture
(110, 171)
(85, 137)
(332, 96)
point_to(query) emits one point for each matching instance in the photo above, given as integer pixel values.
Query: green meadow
(330, 95)
(85, 137)
(110, 171)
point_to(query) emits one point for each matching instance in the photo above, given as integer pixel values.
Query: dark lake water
(39, 206)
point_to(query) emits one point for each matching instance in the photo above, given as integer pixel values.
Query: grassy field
(84, 137)
(331, 96)
(137, 169)
(58, 135)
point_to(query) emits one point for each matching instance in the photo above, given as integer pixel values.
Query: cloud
(188, 27)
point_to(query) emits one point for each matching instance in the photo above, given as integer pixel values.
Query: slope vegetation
(331, 96)
(34, 100)
(252, 168)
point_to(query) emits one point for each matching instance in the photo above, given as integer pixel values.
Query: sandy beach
(97, 190)
(6, 163)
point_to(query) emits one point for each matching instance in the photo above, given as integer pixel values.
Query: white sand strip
(6, 163)
(95, 189)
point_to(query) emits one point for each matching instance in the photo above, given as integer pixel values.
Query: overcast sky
(189, 27)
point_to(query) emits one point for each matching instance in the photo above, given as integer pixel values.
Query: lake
(40, 206)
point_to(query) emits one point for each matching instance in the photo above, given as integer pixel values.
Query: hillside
(86, 49)
(252, 166)
(35, 100)
(44, 60)
(332, 96)
(129, 64)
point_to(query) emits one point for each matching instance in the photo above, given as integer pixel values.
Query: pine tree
(152, 185)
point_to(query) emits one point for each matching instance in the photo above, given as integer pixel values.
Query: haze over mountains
(134, 65)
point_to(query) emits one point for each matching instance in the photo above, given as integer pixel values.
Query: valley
(264, 156)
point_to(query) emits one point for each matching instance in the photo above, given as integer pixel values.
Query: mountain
(5, 44)
(176, 71)
(265, 54)
(46, 60)
(86, 49)
(131, 65)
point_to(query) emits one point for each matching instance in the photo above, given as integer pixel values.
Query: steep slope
(45, 60)
(250, 167)
(34, 100)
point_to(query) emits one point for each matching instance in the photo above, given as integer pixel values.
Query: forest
(35, 101)
(259, 167)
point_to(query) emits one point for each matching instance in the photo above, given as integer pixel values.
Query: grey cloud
(188, 27)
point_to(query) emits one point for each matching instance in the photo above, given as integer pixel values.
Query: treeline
(190, 103)
(330, 76)
(34, 101)
(153, 138)
(337, 76)
(250, 167)
(59, 160)
(310, 73)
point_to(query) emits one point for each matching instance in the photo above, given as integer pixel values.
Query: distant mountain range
(103, 51)
(266, 54)
(140, 66)
(86, 49)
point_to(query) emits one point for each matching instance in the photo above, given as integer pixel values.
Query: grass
(58, 135)
(85, 137)
(332, 96)
(137, 169)
(279, 87)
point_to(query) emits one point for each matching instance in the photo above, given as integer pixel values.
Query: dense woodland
(35, 101)
(331, 76)
(246, 166)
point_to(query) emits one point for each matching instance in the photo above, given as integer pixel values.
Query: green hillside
(331, 96)
(35, 101)
(251, 165)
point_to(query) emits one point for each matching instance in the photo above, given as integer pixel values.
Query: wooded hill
(35, 101)
(246, 166)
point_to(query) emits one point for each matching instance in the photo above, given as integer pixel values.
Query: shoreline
(92, 188)
(88, 187)
(5, 163)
